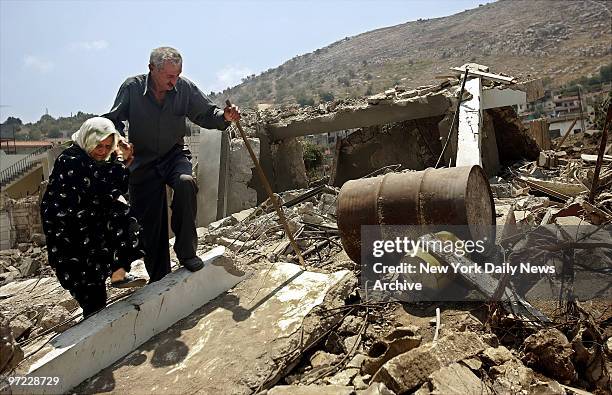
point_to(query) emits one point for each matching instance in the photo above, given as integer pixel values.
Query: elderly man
(156, 106)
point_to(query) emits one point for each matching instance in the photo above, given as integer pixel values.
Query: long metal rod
(602, 148)
(566, 134)
(268, 188)
(452, 128)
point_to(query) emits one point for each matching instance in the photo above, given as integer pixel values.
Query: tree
(601, 109)
(54, 132)
(344, 81)
(313, 155)
(326, 96)
(34, 134)
(303, 99)
(49, 118)
(605, 73)
(13, 121)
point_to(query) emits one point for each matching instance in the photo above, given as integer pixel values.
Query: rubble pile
(33, 303)
(27, 260)
(393, 347)
(257, 233)
(549, 345)
(563, 184)
(577, 144)
(389, 348)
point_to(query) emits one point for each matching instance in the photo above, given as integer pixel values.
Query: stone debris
(19, 325)
(550, 351)
(497, 355)
(10, 352)
(410, 370)
(310, 390)
(456, 379)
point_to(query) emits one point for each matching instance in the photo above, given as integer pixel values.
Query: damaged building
(267, 317)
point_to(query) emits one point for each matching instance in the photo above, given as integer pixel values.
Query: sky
(69, 56)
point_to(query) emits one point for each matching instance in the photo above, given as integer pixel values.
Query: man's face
(165, 78)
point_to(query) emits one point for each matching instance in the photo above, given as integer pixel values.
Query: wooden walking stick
(268, 188)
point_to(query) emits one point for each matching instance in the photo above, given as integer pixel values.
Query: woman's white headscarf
(93, 131)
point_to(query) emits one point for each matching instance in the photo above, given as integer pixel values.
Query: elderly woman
(90, 233)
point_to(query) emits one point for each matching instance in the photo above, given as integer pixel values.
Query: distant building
(565, 105)
(25, 147)
(558, 126)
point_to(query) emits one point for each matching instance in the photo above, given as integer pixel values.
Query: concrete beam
(470, 123)
(493, 98)
(243, 340)
(351, 118)
(97, 342)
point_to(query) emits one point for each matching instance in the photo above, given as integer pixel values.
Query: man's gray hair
(161, 55)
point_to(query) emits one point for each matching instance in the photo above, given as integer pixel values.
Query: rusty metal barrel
(448, 196)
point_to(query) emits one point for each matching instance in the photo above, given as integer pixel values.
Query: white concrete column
(209, 170)
(470, 126)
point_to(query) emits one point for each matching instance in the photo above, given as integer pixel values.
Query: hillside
(556, 40)
(46, 127)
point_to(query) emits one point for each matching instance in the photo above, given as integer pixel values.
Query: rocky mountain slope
(554, 39)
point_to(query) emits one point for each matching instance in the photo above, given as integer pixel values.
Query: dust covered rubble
(26, 260)
(390, 348)
(376, 349)
(256, 234)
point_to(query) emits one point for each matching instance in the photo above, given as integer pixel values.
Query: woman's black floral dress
(89, 232)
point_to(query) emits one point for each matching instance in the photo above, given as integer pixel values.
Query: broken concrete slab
(343, 377)
(457, 379)
(382, 351)
(548, 388)
(10, 352)
(473, 363)
(550, 352)
(108, 335)
(497, 355)
(376, 389)
(20, 324)
(310, 390)
(242, 341)
(322, 358)
(409, 370)
(512, 377)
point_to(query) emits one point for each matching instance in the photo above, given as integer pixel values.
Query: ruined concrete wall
(240, 191)
(514, 141)
(266, 162)
(414, 144)
(288, 165)
(283, 164)
(19, 219)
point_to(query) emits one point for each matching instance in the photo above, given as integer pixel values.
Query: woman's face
(103, 148)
